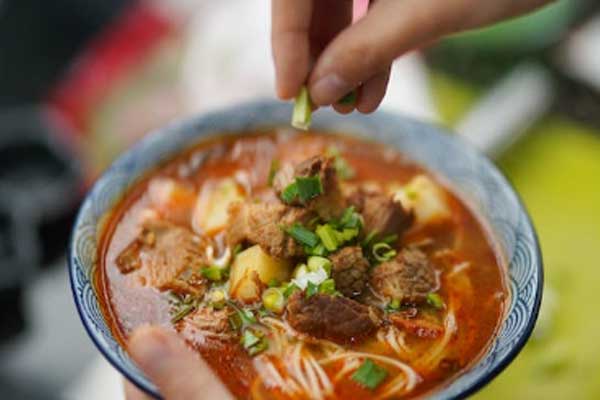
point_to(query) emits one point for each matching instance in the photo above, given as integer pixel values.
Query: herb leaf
(369, 374)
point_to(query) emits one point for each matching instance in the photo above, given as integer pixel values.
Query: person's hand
(177, 370)
(314, 43)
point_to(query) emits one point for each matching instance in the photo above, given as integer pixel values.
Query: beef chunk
(206, 323)
(409, 277)
(263, 223)
(329, 317)
(165, 256)
(380, 213)
(328, 205)
(350, 270)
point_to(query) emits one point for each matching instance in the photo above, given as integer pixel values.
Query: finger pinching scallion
(302, 115)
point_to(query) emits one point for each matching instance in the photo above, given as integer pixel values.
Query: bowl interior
(470, 175)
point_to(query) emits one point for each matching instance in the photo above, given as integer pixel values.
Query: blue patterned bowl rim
(452, 160)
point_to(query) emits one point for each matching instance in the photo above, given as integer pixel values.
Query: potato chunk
(210, 213)
(252, 270)
(425, 198)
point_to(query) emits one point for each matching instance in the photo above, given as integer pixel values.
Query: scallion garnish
(369, 374)
(435, 300)
(289, 289)
(383, 252)
(318, 250)
(181, 311)
(315, 263)
(302, 235)
(327, 286)
(214, 273)
(393, 305)
(289, 193)
(302, 114)
(253, 341)
(350, 219)
(389, 239)
(369, 238)
(242, 317)
(309, 187)
(311, 289)
(328, 237)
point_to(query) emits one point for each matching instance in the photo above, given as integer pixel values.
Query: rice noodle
(394, 338)
(433, 356)
(458, 268)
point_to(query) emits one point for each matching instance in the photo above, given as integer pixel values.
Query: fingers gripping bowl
(359, 287)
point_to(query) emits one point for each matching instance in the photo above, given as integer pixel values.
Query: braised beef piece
(380, 213)
(350, 270)
(335, 318)
(409, 277)
(264, 224)
(328, 205)
(206, 323)
(166, 256)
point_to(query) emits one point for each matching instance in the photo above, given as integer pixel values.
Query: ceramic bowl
(469, 173)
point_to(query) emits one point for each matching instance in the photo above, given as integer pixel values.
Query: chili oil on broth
(474, 284)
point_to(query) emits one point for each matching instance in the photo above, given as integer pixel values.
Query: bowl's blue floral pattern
(473, 176)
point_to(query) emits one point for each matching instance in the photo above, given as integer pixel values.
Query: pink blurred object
(359, 10)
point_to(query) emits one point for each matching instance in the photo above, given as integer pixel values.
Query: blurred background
(81, 80)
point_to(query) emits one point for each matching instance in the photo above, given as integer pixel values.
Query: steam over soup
(305, 266)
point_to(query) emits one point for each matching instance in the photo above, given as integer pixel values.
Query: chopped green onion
(301, 116)
(214, 274)
(300, 270)
(311, 289)
(242, 317)
(273, 283)
(272, 171)
(348, 99)
(302, 235)
(389, 239)
(259, 347)
(393, 305)
(289, 289)
(383, 252)
(435, 300)
(273, 300)
(370, 237)
(328, 236)
(182, 311)
(369, 374)
(350, 219)
(327, 286)
(309, 187)
(289, 193)
(315, 263)
(318, 250)
(217, 298)
(253, 342)
(349, 234)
